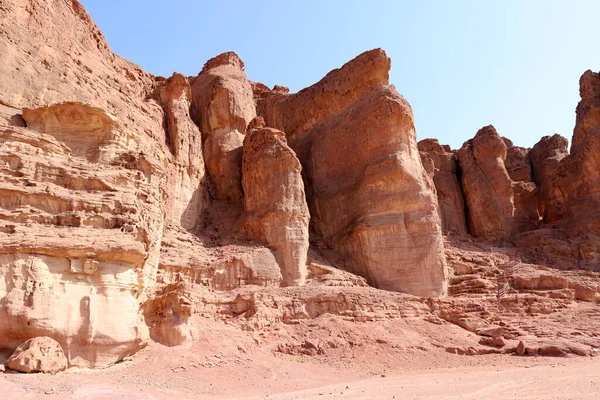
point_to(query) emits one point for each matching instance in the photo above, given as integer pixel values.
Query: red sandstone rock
(571, 198)
(449, 190)
(102, 201)
(168, 315)
(187, 187)
(518, 164)
(487, 185)
(368, 194)
(546, 156)
(275, 207)
(222, 106)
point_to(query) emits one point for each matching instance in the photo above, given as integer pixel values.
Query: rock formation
(449, 190)
(186, 175)
(274, 201)
(80, 197)
(130, 205)
(222, 106)
(545, 158)
(517, 163)
(487, 185)
(368, 194)
(499, 204)
(571, 199)
(168, 315)
(40, 354)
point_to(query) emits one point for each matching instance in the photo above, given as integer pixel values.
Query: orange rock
(368, 193)
(275, 207)
(187, 188)
(222, 106)
(449, 191)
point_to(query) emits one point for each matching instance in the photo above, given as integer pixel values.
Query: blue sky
(461, 64)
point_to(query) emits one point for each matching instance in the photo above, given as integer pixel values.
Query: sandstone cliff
(131, 205)
(355, 137)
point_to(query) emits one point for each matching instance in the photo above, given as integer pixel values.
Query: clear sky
(461, 64)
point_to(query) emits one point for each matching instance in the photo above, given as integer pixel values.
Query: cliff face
(130, 203)
(368, 193)
(81, 199)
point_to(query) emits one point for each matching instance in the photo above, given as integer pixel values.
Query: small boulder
(521, 348)
(40, 354)
(497, 341)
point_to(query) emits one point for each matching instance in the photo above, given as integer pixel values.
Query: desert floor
(202, 372)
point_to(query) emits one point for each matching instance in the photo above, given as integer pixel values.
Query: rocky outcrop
(546, 156)
(487, 185)
(497, 206)
(517, 163)
(81, 210)
(222, 106)
(40, 354)
(572, 199)
(188, 258)
(368, 194)
(449, 190)
(108, 238)
(168, 315)
(187, 189)
(275, 202)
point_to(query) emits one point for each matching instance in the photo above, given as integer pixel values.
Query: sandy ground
(161, 373)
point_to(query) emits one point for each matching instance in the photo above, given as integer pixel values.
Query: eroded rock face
(448, 187)
(40, 354)
(275, 202)
(222, 106)
(487, 185)
(546, 156)
(572, 199)
(517, 163)
(168, 315)
(187, 193)
(368, 193)
(80, 195)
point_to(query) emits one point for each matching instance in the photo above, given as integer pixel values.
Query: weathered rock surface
(222, 106)
(487, 185)
(275, 202)
(168, 315)
(449, 190)
(40, 354)
(220, 267)
(546, 156)
(517, 163)
(187, 191)
(368, 193)
(108, 237)
(498, 206)
(573, 197)
(80, 195)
